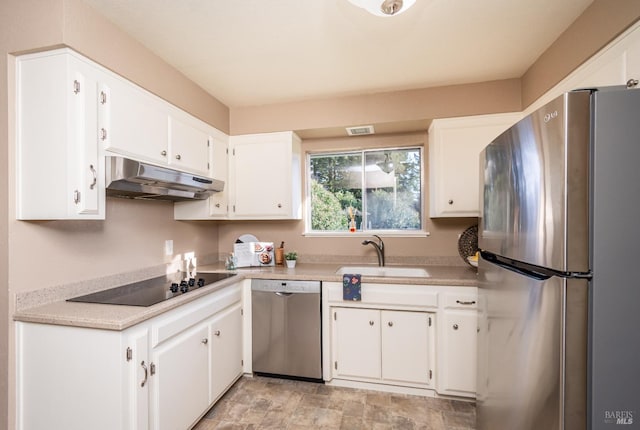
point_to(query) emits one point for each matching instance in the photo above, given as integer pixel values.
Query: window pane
(366, 190)
(393, 189)
(336, 186)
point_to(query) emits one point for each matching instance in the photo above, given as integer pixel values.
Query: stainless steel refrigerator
(559, 292)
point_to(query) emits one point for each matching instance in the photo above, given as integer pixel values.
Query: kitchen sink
(382, 271)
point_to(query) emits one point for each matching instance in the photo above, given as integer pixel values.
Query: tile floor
(269, 403)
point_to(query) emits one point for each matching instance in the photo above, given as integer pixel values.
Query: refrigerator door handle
(531, 270)
(528, 270)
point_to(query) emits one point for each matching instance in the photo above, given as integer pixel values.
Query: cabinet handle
(205, 341)
(632, 83)
(178, 157)
(146, 373)
(76, 196)
(76, 87)
(390, 323)
(163, 153)
(103, 134)
(455, 326)
(103, 98)
(370, 322)
(95, 177)
(450, 201)
(217, 332)
(462, 302)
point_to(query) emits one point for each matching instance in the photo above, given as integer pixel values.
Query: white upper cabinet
(263, 179)
(59, 171)
(137, 124)
(189, 144)
(217, 205)
(265, 176)
(133, 122)
(454, 165)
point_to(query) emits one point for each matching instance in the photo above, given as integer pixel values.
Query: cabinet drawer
(462, 300)
(407, 296)
(188, 315)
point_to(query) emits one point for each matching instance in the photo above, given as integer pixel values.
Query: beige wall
(442, 241)
(440, 102)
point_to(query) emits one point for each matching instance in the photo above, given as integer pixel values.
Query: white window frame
(422, 232)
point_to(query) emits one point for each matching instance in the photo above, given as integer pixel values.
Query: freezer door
(525, 338)
(535, 187)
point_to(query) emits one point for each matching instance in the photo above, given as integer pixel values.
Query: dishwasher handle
(283, 294)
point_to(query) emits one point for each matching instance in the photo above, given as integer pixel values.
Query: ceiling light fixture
(384, 7)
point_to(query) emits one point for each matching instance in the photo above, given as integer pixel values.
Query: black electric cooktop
(152, 291)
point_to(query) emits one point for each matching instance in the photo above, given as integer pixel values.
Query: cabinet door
(265, 176)
(58, 172)
(132, 122)
(137, 385)
(226, 350)
(356, 349)
(188, 145)
(457, 369)
(454, 163)
(219, 204)
(260, 169)
(406, 341)
(180, 385)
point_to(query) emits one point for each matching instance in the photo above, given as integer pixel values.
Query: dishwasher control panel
(285, 286)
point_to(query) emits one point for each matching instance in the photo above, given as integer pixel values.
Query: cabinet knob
(76, 86)
(217, 332)
(103, 134)
(205, 341)
(632, 83)
(103, 97)
(178, 157)
(455, 326)
(163, 153)
(450, 201)
(279, 205)
(217, 205)
(390, 323)
(370, 322)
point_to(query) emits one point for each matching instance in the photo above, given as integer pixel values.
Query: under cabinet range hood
(132, 179)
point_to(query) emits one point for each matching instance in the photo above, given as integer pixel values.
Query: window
(369, 190)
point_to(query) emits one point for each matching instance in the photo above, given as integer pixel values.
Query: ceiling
(258, 52)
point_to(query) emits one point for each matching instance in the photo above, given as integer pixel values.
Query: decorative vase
(291, 263)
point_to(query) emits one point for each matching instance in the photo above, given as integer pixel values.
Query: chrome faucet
(379, 248)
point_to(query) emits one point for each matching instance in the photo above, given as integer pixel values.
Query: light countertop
(120, 317)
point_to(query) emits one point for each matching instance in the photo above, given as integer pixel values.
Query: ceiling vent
(360, 130)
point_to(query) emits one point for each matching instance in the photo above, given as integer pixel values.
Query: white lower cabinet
(457, 348)
(412, 336)
(391, 346)
(180, 385)
(79, 378)
(163, 373)
(357, 335)
(406, 346)
(225, 364)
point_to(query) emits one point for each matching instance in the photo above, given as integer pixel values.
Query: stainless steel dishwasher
(287, 338)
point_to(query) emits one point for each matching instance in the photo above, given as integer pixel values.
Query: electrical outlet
(168, 247)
